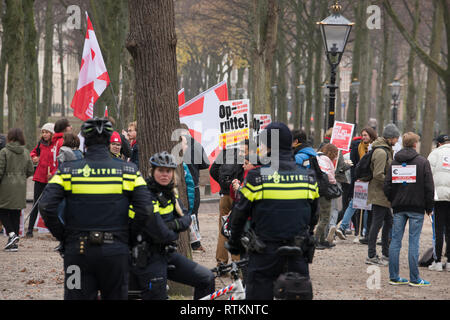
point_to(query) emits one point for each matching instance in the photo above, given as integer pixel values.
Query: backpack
(363, 170)
(326, 189)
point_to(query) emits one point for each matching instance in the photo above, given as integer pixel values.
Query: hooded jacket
(303, 153)
(440, 167)
(381, 160)
(411, 197)
(15, 167)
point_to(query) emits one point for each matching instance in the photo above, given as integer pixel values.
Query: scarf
(163, 193)
(363, 148)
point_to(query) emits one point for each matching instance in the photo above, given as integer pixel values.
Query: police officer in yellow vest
(281, 201)
(98, 191)
(162, 262)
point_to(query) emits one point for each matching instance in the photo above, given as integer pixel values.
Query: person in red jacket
(61, 126)
(42, 157)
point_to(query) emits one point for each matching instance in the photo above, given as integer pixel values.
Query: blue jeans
(415, 228)
(349, 212)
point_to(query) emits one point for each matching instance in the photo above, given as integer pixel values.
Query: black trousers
(381, 217)
(38, 189)
(11, 220)
(442, 227)
(264, 269)
(152, 280)
(93, 271)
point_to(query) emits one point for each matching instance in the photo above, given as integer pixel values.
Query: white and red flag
(201, 115)
(93, 78)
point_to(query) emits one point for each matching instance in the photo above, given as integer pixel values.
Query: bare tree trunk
(383, 100)
(61, 59)
(16, 64)
(152, 44)
(47, 78)
(358, 48)
(265, 20)
(410, 103)
(30, 75)
(3, 63)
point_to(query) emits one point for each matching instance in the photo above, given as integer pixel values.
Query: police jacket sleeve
(180, 224)
(147, 218)
(48, 205)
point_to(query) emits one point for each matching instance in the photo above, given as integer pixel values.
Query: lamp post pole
(335, 32)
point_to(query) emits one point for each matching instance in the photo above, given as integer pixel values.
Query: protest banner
(342, 135)
(201, 115)
(404, 174)
(233, 122)
(360, 195)
(181, 97)
(260, 122)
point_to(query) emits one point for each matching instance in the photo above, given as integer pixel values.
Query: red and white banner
(260, 122)
(342, 135)
(93, 78)
(181, 97)
(201, 115)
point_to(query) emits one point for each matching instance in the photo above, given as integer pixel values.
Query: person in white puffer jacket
(440, 166)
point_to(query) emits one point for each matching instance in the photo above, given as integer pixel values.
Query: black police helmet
(163, 159)
(97, 131)
(96, 127)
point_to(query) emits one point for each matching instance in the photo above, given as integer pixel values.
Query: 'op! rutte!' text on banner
(233, 122)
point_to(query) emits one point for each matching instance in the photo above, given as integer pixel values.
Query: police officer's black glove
(180, 224)
(234, 247)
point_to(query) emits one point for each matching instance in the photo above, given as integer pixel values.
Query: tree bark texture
(30, 108)
(152, 44)
(47, 78)
(16, 64)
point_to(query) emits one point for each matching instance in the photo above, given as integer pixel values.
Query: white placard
(360, 196)
(404, 174)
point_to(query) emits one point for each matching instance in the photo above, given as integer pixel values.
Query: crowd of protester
(393, 204)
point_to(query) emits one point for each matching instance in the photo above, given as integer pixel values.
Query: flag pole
(117, 105)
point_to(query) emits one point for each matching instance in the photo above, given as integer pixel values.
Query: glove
(180, 224)
(235, 248)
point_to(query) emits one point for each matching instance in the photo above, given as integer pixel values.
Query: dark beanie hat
(284, 134)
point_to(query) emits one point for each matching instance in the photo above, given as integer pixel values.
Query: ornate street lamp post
(395, 92)
(335, 32)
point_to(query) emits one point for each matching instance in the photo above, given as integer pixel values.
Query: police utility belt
(304, 241)
(95, 238)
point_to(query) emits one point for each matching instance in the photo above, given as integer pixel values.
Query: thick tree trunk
(3, 63)
(410, 103)
(47, 78)
(265, 20)
(358, 47)
(152, 44)
(383, 99)
(16, 64)
(432, 81)
(30, 75)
